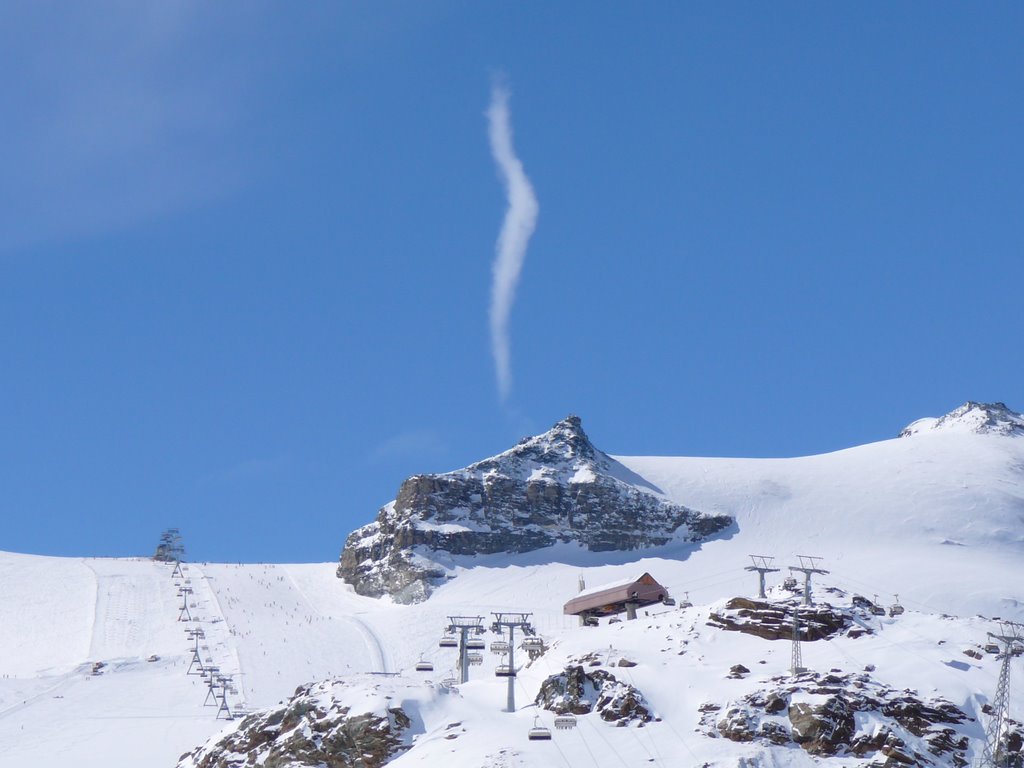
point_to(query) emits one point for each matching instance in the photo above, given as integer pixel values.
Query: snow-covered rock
(332, 724)
(979, 418)
(549, 489)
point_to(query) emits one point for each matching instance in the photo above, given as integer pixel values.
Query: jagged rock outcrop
(578, 692)
(819, 713)
(980, 418)
(552, 488)
(774, 620)
(315, 727)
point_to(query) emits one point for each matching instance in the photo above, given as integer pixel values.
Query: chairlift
(991, 648)
(450, 681)
(424, 666)
(499, 647)
(504, 670)
(668, 600)
(565, 722)
(686, 601)
(539, 732)
(533, 643)
(789, 582)
(448, 641)
(896, 609)
(475, 644)
(474, 659)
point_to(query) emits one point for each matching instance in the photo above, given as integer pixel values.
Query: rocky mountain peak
(552, 488)
(977, 418)
(563, 447)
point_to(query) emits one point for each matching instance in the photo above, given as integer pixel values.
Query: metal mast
(762, 564)
(797, 666)
(1011, 635)
(511, 621)
(464, 625)
(808, 565)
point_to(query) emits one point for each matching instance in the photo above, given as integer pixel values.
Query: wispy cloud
(125, 112)
(520, 221)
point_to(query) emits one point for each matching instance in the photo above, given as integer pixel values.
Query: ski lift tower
(196, 635)
(1011, 637)
(464, 625)
(511, 621)
(184, 614)
(796, 666)
(808, 566)
(762, 564)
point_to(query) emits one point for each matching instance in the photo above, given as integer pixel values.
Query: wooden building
(620, 597)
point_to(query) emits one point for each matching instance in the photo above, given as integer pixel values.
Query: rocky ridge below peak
(972, 417)
(552, 488)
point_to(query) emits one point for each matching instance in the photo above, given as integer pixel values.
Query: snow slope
(937, 517)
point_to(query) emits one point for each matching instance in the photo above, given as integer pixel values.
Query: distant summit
(979, 418)
(553, 488)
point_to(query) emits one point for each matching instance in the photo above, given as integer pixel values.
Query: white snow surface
(940, 521)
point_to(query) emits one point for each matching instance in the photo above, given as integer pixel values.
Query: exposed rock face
(818, 713)
(553, 488)
(774, 620)
(575, 691)
(980, 418)
(311, 728)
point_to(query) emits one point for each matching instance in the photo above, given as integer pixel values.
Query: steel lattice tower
(797, 665)
(1011, 636)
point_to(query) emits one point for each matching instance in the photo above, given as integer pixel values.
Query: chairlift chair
(448, 641)
(539, 732)
(499, 647)
(533, 643)
(789, 583)
(475, 644)
(896, 609)
(565, 722)
(991, 648)
(475, 659)
(668, 600)
(504, 670)
(424, 666)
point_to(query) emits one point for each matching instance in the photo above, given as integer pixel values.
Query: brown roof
(613, 597)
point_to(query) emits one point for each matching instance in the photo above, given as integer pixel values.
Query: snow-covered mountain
(94, 659)
(555, 488)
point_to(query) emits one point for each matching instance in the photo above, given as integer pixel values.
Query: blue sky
(246, 250)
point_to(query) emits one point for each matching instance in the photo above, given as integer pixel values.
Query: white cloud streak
(516, 229)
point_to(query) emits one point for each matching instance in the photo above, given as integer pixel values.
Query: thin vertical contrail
(516, 229)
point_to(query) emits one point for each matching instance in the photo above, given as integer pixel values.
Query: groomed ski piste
(94, 658)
